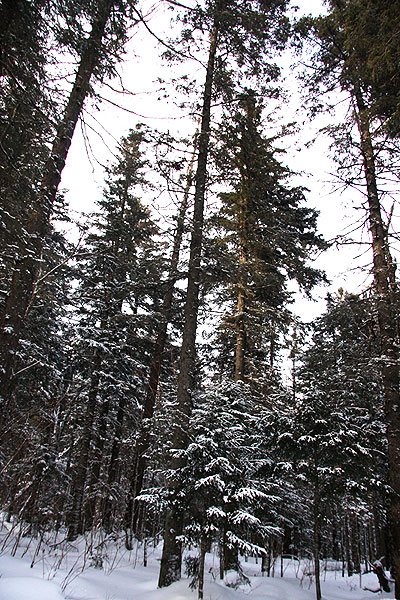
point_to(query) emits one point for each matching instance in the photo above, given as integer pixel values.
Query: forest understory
(99, 567)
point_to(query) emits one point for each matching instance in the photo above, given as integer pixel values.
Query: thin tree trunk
(317, 543)
(347, 546)
(75, 516)
(384, 277)
(171, 560)
(355, 545)
(25, 276)
(143, 443)
(201, 566)
(241, 302)
(114, 471)
(221, 557)
(95, 492)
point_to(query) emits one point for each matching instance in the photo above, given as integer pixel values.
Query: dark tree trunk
(114, 470)
(221, 557)
(241, 300)
(75, 516)
(202, 558)
(26, 274)
(95, 487)
(387, 305)
(355, 545)
(317, 538)
(349, 562)
(170, 570)
(143, 443)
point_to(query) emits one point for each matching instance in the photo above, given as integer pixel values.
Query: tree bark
(387, 306)
(349, 562)
(170, 570)
(114, 470)
(25, 276)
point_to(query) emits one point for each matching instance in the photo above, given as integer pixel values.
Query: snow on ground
(64, 571)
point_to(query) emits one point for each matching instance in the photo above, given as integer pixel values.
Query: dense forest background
(155, 380)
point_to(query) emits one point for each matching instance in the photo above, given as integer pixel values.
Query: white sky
(83, 177)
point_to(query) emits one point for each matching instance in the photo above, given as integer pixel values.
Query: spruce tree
(266, 236)
(333, 434)
(340, 63)
(118, 287)
(243, 33)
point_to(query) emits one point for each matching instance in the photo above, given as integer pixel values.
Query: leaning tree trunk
(171, 560)
(387, 307)
(25, 276)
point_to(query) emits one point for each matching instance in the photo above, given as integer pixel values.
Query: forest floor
(94, 569)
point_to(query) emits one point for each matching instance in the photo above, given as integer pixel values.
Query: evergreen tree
(371, 30)
(334, 433)
(340, 63)
(33, 451)
(116, 299)
(246, 32)
(93, 59)
(266, 238)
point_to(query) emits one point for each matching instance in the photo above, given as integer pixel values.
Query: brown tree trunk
(25, 276)
(387, 305)
(170, 570)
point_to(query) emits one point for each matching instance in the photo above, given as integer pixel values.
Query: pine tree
(35, 471)
(152, 387)
(371, 30)
(22, 284)
(245, 32)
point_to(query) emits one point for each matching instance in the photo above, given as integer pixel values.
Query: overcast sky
(83, 174)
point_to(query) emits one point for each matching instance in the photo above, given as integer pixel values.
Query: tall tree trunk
(355, 544)
(143, 442)
(387, 305)
(241, 300)
(25, 276)
(171, 560)
(349, 562)
(95, 487)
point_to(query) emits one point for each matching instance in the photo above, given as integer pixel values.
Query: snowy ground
(64, 572)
